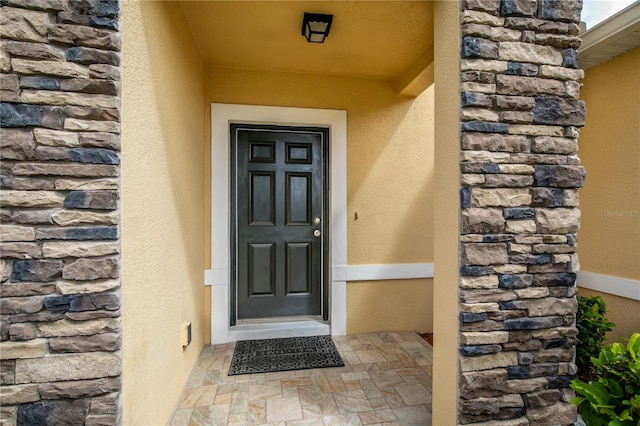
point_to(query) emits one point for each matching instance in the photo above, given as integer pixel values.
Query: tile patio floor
(386, 380)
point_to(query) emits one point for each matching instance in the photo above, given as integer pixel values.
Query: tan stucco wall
(389, 306)
(162, 207)
(609, 237)
(390, 173)
(610, 151)
(447, 212)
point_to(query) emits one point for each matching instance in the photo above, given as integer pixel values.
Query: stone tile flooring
(386, 380)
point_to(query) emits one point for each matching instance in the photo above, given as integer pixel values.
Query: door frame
(219, 276)
(326, 218)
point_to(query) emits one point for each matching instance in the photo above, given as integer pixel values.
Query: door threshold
(273, 320)
(259, 330)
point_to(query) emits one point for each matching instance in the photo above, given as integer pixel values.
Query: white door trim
(218, 277)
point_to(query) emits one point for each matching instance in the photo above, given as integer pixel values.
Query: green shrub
(614, 399)
(592, 325)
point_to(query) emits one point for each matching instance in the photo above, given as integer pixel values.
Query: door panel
(299, 268)
(262, 153)
(261, 269)
(279, 221)
(262, 199)
(298, 198)
(297, 153)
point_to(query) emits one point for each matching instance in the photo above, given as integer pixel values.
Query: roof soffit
(612, 37)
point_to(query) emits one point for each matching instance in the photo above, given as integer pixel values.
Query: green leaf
(577, 400)
(590, 417)
(634, 342)
(625, 415)
(616, 389)
(595, 392)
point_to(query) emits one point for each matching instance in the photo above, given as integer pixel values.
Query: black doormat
(292, 353)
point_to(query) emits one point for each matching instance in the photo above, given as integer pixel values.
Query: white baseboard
(399, 271)
(623, 287)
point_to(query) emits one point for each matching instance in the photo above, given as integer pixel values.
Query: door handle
(317, 233)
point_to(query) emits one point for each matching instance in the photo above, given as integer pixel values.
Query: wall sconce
(315, 27)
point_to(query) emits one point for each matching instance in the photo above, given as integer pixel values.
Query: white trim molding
(218, 277)
(400, 271)
(623, 287)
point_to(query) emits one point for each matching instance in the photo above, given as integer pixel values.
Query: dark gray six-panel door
(279, 216)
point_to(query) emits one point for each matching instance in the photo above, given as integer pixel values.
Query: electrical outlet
(186, 334)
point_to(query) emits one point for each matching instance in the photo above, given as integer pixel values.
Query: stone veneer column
(519, 199)
(60, 306)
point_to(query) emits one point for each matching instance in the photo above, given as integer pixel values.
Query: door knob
(317, 233)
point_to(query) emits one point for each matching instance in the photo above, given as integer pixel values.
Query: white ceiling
(372, 39)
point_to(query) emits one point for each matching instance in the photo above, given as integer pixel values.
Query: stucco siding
(162, 208)
(610, 201)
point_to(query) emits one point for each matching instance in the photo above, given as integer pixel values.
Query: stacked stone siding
(519, 196)
(60, 125)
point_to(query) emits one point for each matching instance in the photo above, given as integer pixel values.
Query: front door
(279, 221)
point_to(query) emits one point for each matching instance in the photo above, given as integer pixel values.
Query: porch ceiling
(372, 39)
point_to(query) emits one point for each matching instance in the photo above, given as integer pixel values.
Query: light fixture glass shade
(315, 27)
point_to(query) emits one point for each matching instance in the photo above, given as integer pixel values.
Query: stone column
(519, 177)
(60, 125)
